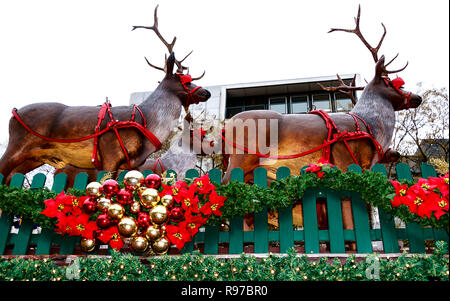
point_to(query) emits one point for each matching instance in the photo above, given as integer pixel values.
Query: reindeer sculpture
(360, 136)
(80, 136)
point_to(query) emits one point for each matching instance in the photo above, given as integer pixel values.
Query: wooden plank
(6, 220)
(285, 218)
(81, 180)
(335, 223)
(212, 232)
(192, 174)
(310, 222)
(360, 219)
(1, 178)
(147, 172)
(236, 245)
(100, 175)
(44, 241)
(387, 225)
(414, 230)
(24, 235)
(121, 176)
(261, 222)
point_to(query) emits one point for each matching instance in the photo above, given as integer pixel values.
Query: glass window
(255, 107)
(321, 102)
(299, 104)
(278, 104)
(231, 111)
(343, 102)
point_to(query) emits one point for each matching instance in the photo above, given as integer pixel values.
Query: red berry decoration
(110, 187)
(124, 196)
(152, 181)
(104, 221)
(89, 206)
(176, 214)
(143, 220)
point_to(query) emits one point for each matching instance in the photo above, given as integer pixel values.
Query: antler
(169, 46)
(344, 88)
(373, 50)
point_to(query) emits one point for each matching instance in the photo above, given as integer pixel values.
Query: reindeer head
(381, 84)
(177, 81)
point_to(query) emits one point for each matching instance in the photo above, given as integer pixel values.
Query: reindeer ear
(170, 64)
(380, 69)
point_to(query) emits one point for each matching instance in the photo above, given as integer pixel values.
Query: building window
(299, 104)
(321, 102)
(278, 104)
(231, 111)
(343, 102)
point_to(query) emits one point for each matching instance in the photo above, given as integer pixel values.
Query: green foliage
(193, 267)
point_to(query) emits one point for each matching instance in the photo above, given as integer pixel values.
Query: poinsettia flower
(400, 194)
(422, 202)
(323, 161)
(178, 235)
(82, 226)
(313, 168)
(54, 208)
(320, 174)
(174, 190)
(442, 184)
(188, 199)
(65, 224)
(214, 204)
(111, 236)
(194, 222)
(443, 208)
(203, 184)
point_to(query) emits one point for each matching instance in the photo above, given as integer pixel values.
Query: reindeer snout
(418, 100)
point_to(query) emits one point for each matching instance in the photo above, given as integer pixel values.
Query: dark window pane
(322, 102)
(255, 107)
(343, 102)
(233, 111)
(278, 104)
(299, 104)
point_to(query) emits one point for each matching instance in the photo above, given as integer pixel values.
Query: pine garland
(194, 267)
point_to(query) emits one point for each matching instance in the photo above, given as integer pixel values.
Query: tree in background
(422, 134)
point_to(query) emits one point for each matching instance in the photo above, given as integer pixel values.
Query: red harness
(114, 125)
(397, 83)
(334, 135)
(186, 79)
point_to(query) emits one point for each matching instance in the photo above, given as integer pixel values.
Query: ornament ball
(149, 197)
(89, 206)
(161, 245)
(103, 221)
(93, 189)
(124, 196)
(116, 211)
(110, 187)
(133, 179)
(103, 204)
(127, 226)
(152, 181)
(139, 244)
(159, 214)
(135, 207)
(87, 245)
(153, 233)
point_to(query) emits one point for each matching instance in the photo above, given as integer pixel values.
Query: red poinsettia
(188, 199)
(178, 235)
(400, 193)
(194, 222)
(317, 168)
(203, 185)
(82, 226)
(174, 190)
(111, 236)
(214, 204)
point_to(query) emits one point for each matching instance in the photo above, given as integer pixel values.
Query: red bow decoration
(184, 78)
(398, 82)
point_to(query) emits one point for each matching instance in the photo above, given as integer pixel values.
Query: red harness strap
(112, 125)
(326, 145)
(158, 160)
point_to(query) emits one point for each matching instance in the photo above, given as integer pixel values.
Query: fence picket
(236, 245)
(212, 232)
(360, 219)
(6, 220)
(388, 231)
(44, 241)
(191, 173)
(261, 224)
(81, 180)
(285, 218)
(26, 227)
(335, 223)
(413, 230)
(311, 228)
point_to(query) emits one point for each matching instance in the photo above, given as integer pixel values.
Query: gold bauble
(127, 226)
(103, 204)
(167, 200)
(149, 197)
(133, 179)
(139, 244)
(159, 214)
(224, 227)
(135, 207)
(161, 245)
(87, 245)
(93, 189)
(153, 232)
(116, 211)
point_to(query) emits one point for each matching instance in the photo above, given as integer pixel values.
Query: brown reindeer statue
(361, 136)
(106, 138)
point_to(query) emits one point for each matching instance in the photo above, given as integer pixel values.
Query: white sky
(79, 52)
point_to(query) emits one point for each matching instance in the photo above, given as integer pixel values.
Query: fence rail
(310, 240)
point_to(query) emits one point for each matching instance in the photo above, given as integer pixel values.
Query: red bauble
(104, 221)
(176, 214)
(152, 181)
(124, 196)
(143, 220)
(110, 187)
(89, 206)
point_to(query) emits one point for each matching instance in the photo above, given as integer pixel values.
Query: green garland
(374, 188)
(126, 267)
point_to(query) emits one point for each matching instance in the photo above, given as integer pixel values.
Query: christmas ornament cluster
(146, 214)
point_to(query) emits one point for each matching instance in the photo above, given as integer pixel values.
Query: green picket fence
(261, 240)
